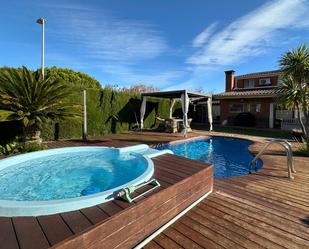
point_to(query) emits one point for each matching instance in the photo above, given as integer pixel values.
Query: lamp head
(41, 21)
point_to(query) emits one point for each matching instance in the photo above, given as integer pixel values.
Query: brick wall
(262, 117)
(274, 82)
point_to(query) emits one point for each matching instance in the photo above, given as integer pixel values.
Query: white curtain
(143, 110)
(209, 108)
(172, 103)
(185, 109)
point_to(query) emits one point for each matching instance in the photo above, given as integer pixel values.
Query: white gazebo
(185, 97)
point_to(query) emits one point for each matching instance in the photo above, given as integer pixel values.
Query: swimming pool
(66, 179)
(229, 156)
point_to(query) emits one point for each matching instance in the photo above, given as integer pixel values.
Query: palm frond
(34, 100)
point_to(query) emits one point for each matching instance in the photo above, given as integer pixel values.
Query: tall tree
(27, 97)
(295, 87)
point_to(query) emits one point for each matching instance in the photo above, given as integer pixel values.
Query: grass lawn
(250, 132)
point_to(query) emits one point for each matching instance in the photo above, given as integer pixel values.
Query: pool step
(145, 150)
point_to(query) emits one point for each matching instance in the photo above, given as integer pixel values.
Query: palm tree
(27, 97)
(295, 87)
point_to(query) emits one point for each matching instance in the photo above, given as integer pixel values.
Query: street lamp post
(42, 21)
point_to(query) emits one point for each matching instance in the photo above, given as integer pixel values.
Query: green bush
(302, 149)
(9, 149)
(20, 147)
(72, 78)
(30, 147)
(108, 110)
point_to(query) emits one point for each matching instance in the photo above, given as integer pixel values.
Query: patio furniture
(161, 123)
(184, 97)
(171, 125)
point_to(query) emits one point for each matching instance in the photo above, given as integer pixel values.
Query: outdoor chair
(171, 125)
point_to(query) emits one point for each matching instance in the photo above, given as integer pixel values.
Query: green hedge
(108, 111)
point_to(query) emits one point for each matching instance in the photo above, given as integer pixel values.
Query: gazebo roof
(175, 94)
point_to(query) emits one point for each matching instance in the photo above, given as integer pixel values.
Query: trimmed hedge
(108, 111)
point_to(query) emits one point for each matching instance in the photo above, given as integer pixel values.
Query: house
(254, 95)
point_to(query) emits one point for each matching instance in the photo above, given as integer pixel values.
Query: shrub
(21, 147)
(30, 147)
(302, 149)
(9, 149)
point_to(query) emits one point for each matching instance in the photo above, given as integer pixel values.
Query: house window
(236, 108)
(255, 108)
(265, 82)
(249, 83)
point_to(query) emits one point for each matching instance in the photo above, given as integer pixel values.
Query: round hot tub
(67, 179)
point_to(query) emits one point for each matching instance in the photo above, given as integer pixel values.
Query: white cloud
(251, 34)
(118, 48)
(126, 76)
(99, 35)
(204, 36)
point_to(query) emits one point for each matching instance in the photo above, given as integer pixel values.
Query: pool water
(229, 156)
(68, 175)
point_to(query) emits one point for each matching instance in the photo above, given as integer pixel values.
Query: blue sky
(169, 44)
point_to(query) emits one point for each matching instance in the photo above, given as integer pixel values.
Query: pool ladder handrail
(288, 148)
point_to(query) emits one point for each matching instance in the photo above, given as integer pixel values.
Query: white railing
(284, 114)
(290, 124)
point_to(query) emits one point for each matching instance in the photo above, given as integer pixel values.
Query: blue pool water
(229, 156)
(68, 175)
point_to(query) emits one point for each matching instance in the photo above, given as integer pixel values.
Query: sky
(168, 44)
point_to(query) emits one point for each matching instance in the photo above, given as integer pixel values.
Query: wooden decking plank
(152, 245)
(110, 208)
(252, 232)
(285, 190)
(277, 235)
(166, 242)
(260, 206)
(171, 171)
(122, 203)
(94, 214)
(171, 165)
(167, 179)
(183, 162)
(29, 233)
(180, 170)
(273, 191)
(169, 175)
(163, 183)
(209, 233)
(231, 235)
(284, 185)
(181, 239)
(218, 217)
(54, 228)
(7, 234)
(269, 218)
(169, 209)
(197, 237)
(76, 221)
(264, 200)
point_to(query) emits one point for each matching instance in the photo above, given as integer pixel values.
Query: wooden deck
(116, 223)
(262, 210)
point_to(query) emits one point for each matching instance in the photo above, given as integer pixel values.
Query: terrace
(102, 176)
(254, 211)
